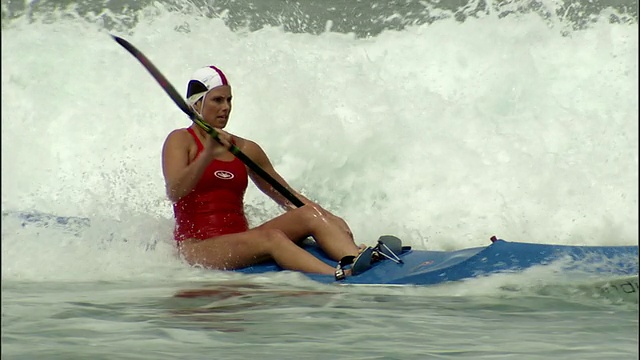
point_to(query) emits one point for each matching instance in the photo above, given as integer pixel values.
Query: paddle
(197, 119)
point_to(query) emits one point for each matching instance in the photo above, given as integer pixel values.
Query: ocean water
(443, 123)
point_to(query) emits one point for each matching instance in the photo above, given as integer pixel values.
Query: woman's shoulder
(244, 144)
(182, 131)
(179, 138)
(179, 134)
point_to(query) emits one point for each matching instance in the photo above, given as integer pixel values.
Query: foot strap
(344, 264)
(362, 262)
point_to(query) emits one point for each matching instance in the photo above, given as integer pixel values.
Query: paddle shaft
(197, 119)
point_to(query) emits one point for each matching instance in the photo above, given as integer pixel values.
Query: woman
(206, 184)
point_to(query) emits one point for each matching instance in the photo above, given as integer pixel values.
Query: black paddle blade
(170, 90)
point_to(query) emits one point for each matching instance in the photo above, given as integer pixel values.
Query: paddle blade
(168, 88)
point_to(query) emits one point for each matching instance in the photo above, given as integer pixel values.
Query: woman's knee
(274, 237)
(312, 213)
(314, 217)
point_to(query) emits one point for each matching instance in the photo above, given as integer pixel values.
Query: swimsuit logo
(224, 175)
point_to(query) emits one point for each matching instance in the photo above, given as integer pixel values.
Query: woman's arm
(260, 158)
(180, 176)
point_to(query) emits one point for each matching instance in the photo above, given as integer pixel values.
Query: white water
(442, 135)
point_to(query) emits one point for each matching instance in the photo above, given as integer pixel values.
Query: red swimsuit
(215, 206)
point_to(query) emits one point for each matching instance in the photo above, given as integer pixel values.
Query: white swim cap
(204, 80)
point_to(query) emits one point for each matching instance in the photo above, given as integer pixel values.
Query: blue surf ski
(424, 267)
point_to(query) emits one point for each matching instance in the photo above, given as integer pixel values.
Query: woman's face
(217, 106)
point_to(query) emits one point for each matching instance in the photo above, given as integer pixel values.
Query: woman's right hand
(213, 147)
(226, 139)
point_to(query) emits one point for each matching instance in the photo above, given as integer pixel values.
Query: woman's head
(209, 93)
(203, 80)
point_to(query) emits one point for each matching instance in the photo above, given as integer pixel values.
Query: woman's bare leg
(233, 251)
(331, 233)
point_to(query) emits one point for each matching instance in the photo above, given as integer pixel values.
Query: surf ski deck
(423, 267)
